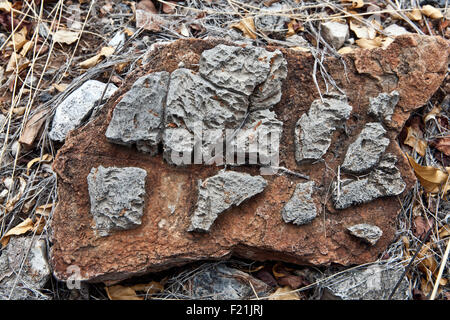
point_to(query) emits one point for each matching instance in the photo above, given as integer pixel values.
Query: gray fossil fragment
(137, 118)
(117, 197)
(300, 209)
(369, 233)
(71, 112)
(365, 152)
(385, 180)
(314, 130)
(219, 193)
(382, 107)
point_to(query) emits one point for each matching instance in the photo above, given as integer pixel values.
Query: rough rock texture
(314, 130)
(219, 282)
(301, 208)
(366, 151)
(24, 269)
(117, 198)
(270, 24)
(137, 118)
(385, 180)
(414, 66)
(335, 33)
(220, 192)
(374, 282)
(77, 106)
(367, 232)
(382, 107)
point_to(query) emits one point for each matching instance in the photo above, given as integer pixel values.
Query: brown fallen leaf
(433, 180)
(421, 226)
(149, 21)
(247, 26)
(45, 158)
(32, 128)
(377, 42)
(168, 7)
(65, 36)
(414, 14)
(149, 288)
(361, 30)
(345, 50)
(104, 53)
(21, 228)
(18, 39)
(284, 293)
(119, 292)
(414, 141)
(147, 5)
(12, 201)
(26, 47)
(17, 62)
(431, 12)
(45, 209)
(5, 6)
(443, 145)
(432, 114)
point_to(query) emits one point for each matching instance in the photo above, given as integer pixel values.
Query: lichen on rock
(137, 118)
(385, 180)
(300, 209)
(219, 193)
(314, 130)
(365, 152)
(117, 197)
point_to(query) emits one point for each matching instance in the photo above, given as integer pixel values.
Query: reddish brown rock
(412, 65)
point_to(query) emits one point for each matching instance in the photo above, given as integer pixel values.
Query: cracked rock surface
(383, 181)
(365, 152)
(220, 192)
(382, 106)
(301, 208)
(137, 118)
(313, 131)
(367, 232)
(117, 198)
(254, 229)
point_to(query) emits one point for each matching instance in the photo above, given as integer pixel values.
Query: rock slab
(414, 66)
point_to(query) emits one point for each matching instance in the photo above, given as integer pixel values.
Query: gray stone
(335, 33)
(118, 40)
(77, 106)
(382, 107)
(297, 41)
(239, 69)
(395, 30)
(369, 233)
(300, 209)
(374, 282)
(314, 130)
(194, 104)
(385, 180)
(271, 23)
(259, 137)
(137, 118)
(219, 282)
(363, 154)
(24, 269)
(117, 198)
(219, 193)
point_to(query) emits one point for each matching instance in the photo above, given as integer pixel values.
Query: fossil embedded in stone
(219, 193)
(314, 130)
(365, 152)
(367, 232)
(382, 106)
(300, 209)
(137, 118)
(117, 197)
(385, 180)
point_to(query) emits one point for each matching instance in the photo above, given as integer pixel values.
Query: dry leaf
(277, 271)
(149, 288)
(12, 201)
(361, 30)
(45, 209)
(432, 114)
(149, 21)
(65, 36)
(32, 128)
(414, 141)
(284, 293)
(431, 179)
(443, 145)
(19, 39)
(21, 228)
(104, 52)
(26, 47)
(5, 6)
(147, 5)
(168, 7)
(60, 87)
(431, 12)
(18, 62)
(39, 225)
(345, 50)
(20, 111)
(370, 43)
(393, 12)
(247, 26)
(355, 4)
(119, 292)
(421, 226)
(45, 158)
(444, 231)
(414, 14)
(184, 31)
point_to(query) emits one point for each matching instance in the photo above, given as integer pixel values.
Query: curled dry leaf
(414, 141)
(45, 209)
(247, 26)
(5, 6)
(284, 293)
(431, 12)
(45, 158)
(362, 31)
(12, 201)
(23, 227)
(345, 50)
(432, 114)
(104, 53)
(17, 62)
(443, 145)
(119, 292)
(355, 4)
(414, 14)
(432, 179)
(18, 39)
(65, 36)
